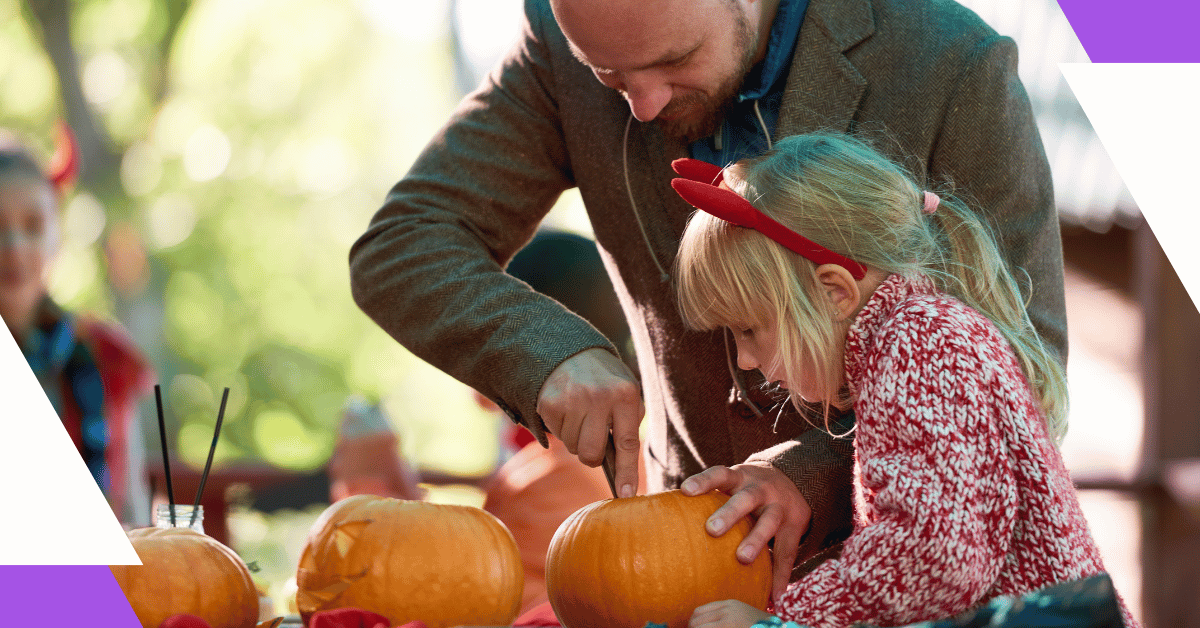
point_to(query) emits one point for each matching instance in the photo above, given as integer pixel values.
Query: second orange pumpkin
(445, 565)
(620, 563)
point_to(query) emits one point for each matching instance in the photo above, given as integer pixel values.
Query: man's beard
(712, 108)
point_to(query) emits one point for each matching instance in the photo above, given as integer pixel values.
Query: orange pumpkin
(532, 494)
(445, 565)
(620, 563)
(184, 571)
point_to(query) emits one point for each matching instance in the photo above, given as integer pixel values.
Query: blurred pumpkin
(186, 572)
(445, 565)
(620, 563)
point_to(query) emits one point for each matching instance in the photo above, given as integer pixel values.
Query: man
(603, 96)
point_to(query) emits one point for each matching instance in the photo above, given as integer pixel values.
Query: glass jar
(183, 517)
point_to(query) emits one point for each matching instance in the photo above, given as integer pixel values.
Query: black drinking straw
(162, 434)
(211, 451)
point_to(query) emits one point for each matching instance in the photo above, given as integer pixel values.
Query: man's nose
(647, 96)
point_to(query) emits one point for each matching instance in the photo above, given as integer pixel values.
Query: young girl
(852, 288)
(91, 373)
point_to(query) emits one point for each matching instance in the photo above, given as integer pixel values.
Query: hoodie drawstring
(733, 371)
(763, 124)
(664, 276)
(662, 273)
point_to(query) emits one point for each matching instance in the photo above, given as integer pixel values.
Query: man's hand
(779, 510)
(586, 396)
(726, 614)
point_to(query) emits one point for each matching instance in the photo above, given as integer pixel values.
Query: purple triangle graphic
(1151, 31)
(52, 595)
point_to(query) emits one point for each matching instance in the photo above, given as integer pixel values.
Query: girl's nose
(745, 359)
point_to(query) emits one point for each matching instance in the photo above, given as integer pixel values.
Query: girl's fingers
(767, 526)
(787, 545)
(747, 499)
(710, 614)
(718, 478)
(699, 619)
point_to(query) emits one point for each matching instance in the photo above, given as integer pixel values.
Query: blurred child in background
(89, 369)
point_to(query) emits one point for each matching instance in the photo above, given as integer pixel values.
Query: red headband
(700, 188)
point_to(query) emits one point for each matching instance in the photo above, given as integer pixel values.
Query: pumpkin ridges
(186, 572)
(516, 577)
(431, 536)
(625, 562)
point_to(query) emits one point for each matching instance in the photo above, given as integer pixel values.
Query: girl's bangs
(721, 281)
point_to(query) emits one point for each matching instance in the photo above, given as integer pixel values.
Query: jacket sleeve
(989, 145)
(941, 490)
(428, 269)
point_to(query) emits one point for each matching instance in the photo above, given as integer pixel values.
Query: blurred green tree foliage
(234, 150)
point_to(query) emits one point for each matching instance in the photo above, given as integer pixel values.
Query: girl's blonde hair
(844, 195)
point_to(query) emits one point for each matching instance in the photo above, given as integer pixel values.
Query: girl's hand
(726, 614)
(779, 509)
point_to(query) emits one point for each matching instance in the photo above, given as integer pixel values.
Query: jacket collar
(781, 48)
(824, 88)
(823, 93)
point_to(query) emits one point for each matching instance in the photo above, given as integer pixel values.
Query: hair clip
(931, 202)
(727, 205)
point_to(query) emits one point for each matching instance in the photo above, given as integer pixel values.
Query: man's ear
(841, 288)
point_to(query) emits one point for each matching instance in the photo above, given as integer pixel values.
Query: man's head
(679, 62)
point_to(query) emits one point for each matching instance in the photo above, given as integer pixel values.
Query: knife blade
(610, 464)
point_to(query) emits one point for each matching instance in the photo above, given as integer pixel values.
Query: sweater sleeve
(428, 269)
(936, 490)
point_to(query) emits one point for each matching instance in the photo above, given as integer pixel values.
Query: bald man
(602, 96)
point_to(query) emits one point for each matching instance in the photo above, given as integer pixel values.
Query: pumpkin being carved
(620, 563)
(444, 565)
(184, 571)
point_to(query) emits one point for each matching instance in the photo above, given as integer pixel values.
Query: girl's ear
(841, 288)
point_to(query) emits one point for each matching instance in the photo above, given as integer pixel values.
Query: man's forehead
(629, 35)
(631, 60)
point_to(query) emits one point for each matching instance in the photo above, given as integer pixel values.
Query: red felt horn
(64, 164)
(730, 207)
(697, 170)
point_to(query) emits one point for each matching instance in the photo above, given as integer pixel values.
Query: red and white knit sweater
(961, 494)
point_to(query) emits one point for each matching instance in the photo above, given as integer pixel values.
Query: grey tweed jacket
(927, 79)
